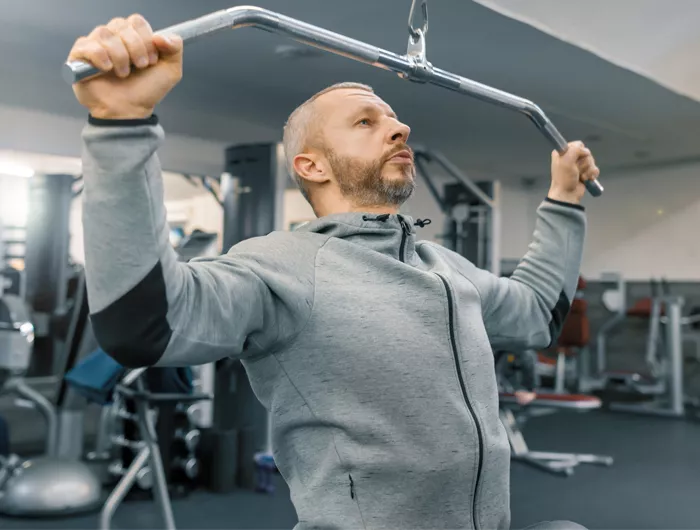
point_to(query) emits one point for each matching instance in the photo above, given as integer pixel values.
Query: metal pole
(44, 406)
(495, 231)
(674, 346)
(461, 177)
(420, 159)
(481, 236)
(122, 488)
(147, 430)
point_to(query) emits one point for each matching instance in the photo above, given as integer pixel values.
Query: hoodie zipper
(405, 231)
(463, 387)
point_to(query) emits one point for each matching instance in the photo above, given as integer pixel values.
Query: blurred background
(624, 77)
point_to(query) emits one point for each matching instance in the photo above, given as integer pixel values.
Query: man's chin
(399, 173)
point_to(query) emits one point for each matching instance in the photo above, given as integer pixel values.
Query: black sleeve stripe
(134, 330)
(99, 122)
(568, 204)
(559, 314)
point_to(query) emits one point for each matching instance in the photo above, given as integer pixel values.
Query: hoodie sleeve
(528, 309)
(148, 308)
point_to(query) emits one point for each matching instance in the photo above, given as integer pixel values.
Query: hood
(390, 234)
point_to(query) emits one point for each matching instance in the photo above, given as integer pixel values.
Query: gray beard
(362, 182)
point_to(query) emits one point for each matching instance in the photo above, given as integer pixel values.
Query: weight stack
(46, 261)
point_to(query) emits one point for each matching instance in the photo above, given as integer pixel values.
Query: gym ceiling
(249, 80)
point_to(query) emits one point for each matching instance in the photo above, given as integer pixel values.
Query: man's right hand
(141, 68)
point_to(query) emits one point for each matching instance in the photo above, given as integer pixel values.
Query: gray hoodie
(371, 350)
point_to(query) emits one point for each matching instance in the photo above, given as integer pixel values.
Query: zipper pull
(405, 226)
(352, 487)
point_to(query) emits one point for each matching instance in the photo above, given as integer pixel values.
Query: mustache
(398, 149)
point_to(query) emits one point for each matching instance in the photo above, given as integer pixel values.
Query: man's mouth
(402, 156)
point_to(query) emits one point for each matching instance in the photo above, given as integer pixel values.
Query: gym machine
(663, 387)
(51, 484)
(27, 484)
(671, 401)
(47, 268)
(516, 372)
(650, 309)
(12, 280)
(513, 417)
(472, 211)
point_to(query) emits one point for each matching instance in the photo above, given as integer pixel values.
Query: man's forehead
(351, 99)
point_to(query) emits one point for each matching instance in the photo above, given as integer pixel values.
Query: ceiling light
(13, 169)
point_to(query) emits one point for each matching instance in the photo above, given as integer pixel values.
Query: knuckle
(117, 23)
(101, 54)
(137, 20)
(80, 44)
(103, 33)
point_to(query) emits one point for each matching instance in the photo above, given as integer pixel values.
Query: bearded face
(387, 181)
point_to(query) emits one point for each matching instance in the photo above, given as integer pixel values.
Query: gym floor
(652, 485)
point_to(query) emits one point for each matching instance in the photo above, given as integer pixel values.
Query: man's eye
(364, 121)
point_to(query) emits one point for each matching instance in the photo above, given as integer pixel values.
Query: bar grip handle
(76, 71)
(594, 187)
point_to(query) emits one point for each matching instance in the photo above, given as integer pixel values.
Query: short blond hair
(296, 130)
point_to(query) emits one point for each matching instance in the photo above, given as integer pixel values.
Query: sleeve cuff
(99, 122)
(567, 204)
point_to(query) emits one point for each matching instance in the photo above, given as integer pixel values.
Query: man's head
(347, 151)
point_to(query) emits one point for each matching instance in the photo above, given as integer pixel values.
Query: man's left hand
(570, 171)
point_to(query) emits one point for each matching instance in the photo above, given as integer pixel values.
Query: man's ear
(312, 167)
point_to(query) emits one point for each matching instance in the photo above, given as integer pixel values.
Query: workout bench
(557, 463)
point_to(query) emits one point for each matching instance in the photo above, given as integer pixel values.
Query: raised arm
(528, 309)
(147, 307)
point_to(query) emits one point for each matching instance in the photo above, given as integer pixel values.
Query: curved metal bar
(406, 67)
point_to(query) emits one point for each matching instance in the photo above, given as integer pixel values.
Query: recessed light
(13, 169)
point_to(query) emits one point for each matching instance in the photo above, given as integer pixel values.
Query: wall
(644, 225)
(41, 132)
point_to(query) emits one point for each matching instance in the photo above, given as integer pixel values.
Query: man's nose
(399, 133)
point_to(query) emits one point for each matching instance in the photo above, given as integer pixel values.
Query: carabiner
(412, 30)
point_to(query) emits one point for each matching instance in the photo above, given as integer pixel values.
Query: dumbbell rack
(147, 467)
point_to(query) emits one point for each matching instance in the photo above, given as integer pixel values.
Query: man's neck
(375, 209)
(351, 208)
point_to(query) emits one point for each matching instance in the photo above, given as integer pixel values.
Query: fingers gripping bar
(411, 66)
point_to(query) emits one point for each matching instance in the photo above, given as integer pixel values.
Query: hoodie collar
(389, 234)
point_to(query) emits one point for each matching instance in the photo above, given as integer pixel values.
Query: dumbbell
(123, 442)
(144, 477)
(123, 414)
(194, 412)
(190, 466)
(190, 438)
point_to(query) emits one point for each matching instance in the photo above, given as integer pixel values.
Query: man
(372, 351)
